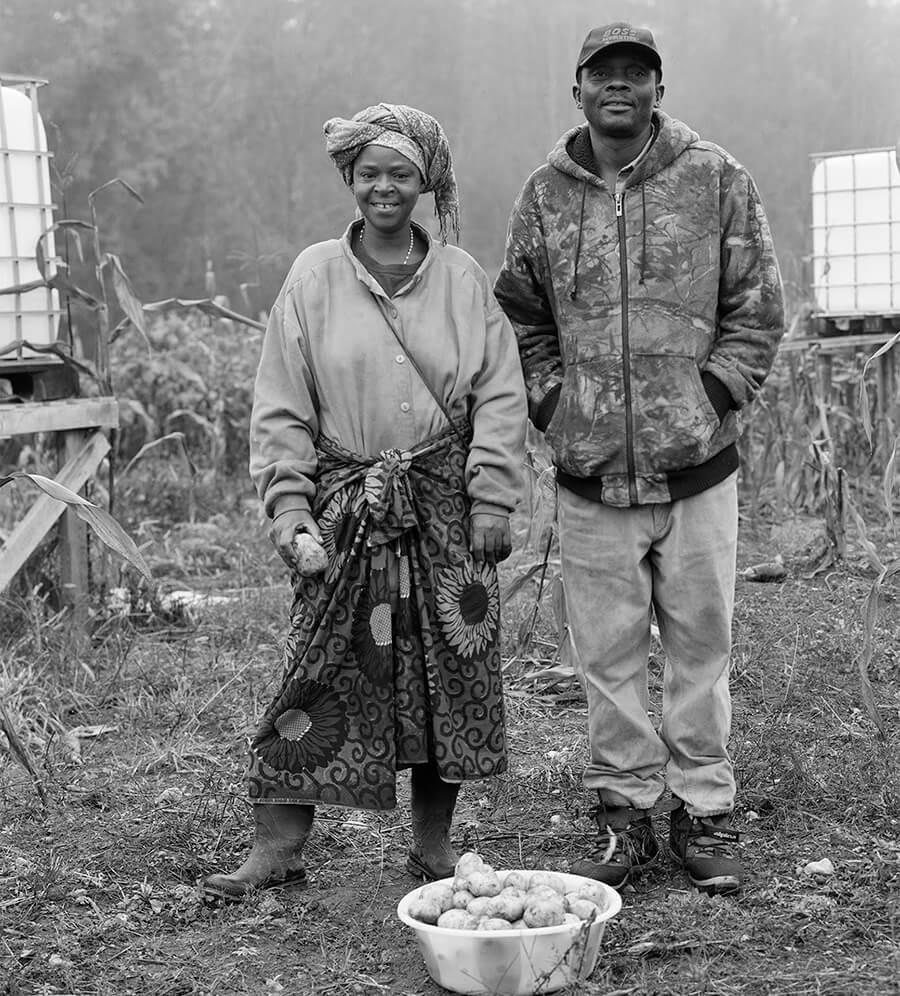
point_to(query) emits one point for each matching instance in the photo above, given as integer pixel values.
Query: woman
(388, 425)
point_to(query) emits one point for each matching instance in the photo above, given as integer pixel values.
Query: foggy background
(213, 110)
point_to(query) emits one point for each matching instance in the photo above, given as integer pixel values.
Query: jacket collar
(673, 137)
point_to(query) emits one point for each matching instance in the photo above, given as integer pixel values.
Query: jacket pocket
(674, 420)
(587, 430)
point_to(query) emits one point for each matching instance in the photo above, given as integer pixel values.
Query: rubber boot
(274, 860)
(433, 801)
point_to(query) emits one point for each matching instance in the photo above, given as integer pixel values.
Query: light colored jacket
(331, 364)
(644, 319)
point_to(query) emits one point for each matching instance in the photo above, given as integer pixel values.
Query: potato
(595, 892)
(480, 906)
(485, 883)
(457, 920)
(311, 556)
(542, 892)
(440, 894)
(519, 925)
(556, 882)
(493, 923)
(468, 862)
(582, 908)
(517, 880)
(461, 899)
(571, 918)
(507, 905)
(545, 913)
(428, 911)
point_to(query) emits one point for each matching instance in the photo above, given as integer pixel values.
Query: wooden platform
(827, 326)
(825, 348)
(837, 343)
(80, 425)
(39, 379)
(58, 416)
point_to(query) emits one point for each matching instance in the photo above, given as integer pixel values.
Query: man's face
(618, 89)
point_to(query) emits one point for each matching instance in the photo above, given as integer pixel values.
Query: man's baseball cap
(619, 33)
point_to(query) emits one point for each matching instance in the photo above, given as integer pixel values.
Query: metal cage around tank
(31, 313)
(39, 393)
(856, 241)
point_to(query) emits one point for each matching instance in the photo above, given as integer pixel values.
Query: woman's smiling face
(386, 185)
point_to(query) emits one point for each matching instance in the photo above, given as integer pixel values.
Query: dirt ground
(139, 738)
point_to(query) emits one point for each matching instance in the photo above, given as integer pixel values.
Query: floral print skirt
(392, 657)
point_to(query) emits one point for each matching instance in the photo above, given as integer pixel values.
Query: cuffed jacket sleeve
(283, 421)
(751, 307)
(522, 290)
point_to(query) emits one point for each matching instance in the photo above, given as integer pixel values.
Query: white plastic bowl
(512, 962)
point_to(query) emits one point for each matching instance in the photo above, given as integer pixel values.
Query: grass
(138, 736)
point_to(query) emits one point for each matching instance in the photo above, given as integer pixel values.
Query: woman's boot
(433, 801)
(274, 859)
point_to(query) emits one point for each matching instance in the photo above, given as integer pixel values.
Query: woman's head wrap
(414, 134)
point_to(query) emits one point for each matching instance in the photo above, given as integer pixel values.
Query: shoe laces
(710, 839)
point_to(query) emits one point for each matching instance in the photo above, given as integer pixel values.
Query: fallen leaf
(772, 571)
(819, 869)
(72, 738)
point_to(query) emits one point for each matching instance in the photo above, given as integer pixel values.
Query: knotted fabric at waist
(386, 488)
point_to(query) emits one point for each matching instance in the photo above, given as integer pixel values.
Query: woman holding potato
(387, 431)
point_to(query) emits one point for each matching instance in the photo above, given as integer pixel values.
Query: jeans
(618, 565)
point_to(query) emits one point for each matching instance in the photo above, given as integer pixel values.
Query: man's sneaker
(626, 846)
(705, 847)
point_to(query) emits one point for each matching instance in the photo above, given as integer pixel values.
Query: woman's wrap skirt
(393, 654)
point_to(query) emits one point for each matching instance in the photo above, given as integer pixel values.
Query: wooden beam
(58, 416)
(73, 542)
(43, 514)
(824, 365)
(836, 343)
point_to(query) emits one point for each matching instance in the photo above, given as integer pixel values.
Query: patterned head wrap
(414, 134)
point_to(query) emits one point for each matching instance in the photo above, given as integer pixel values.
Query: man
(642, 283)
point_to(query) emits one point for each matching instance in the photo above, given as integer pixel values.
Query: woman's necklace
(412, 241)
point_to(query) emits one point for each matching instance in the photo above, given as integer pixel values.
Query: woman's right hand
(285, 528)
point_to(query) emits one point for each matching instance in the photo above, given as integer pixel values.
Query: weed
(138, 738)
(98, 894)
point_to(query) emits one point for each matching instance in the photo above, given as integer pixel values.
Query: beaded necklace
(362, 233)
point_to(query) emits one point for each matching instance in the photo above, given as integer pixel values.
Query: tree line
(213, 109)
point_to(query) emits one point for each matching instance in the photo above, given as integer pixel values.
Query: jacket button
(404, 407)
(400, 358)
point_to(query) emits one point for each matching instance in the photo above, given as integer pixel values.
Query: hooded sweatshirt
(646, 318)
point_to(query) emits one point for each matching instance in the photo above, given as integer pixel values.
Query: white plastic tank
(856, 232)
(26, 211)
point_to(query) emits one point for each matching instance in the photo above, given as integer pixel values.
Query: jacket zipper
(626, 351)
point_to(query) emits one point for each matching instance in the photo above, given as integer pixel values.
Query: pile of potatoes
(479, 899)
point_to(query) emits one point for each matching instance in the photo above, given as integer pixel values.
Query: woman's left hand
(489, 537)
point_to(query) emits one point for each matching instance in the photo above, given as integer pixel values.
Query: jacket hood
(673, 137)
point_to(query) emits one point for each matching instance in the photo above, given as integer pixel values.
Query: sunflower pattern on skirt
(468, 606)
(335, 520)
(392, 656)
(304, 728)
